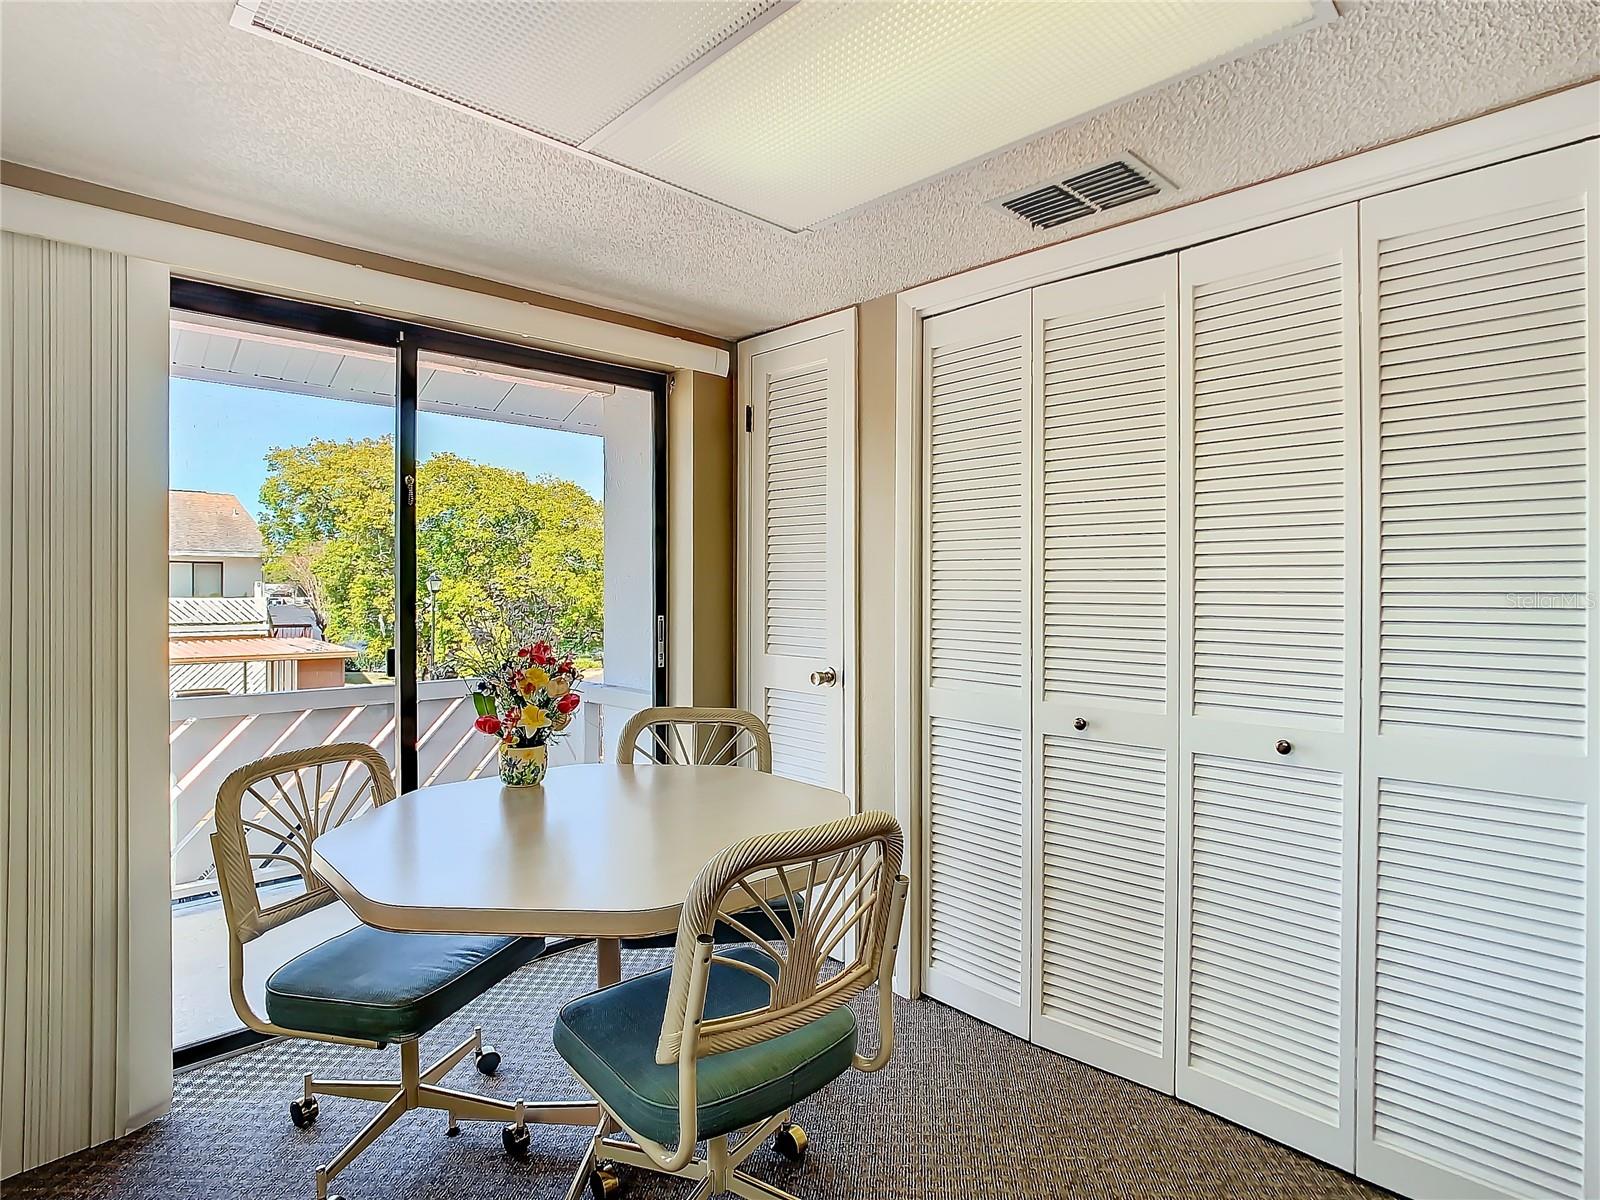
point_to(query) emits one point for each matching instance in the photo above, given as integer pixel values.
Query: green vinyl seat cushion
(386, 987)
(754, 919)
(609, 1038)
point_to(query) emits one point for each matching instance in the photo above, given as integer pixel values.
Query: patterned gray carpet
(964, 1112)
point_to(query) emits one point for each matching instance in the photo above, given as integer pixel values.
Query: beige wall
(876, 546)
(702, 475)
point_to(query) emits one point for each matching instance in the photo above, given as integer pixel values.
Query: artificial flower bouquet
(526, 703)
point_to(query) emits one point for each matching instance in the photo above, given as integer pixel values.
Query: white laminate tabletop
(599, 851)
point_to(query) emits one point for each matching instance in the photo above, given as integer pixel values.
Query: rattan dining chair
(364, 987)
(716, 737)
(721, 1045)
(698, 737)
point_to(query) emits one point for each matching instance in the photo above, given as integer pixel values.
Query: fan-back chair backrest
(846, 875)
(270, 812)
(702, 737)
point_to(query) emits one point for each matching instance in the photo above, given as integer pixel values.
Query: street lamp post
(434, 584)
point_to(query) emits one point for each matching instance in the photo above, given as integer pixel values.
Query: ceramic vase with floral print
(523, 766)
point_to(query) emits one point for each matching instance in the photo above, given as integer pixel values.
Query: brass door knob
(1283, 747)
(826, 677)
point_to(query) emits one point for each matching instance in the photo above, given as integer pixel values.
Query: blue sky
(221, 434)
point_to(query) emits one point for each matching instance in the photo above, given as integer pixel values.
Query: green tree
(498, 540)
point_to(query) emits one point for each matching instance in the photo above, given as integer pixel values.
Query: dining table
(598, 851)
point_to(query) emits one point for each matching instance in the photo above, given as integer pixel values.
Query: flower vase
(523, 766)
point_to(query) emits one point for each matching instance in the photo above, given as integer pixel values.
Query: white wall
(629, 499)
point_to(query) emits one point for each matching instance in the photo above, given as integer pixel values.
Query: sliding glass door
(361, 507)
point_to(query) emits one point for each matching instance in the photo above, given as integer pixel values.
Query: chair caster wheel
(604, 1184)
(517, 1140)
(791, 1141)
(303, 1112)
(488, 1060)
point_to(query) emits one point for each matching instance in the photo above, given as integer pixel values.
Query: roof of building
(197, 616)
(251, 649)
(211, 523)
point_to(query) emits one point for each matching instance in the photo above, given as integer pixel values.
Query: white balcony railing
(211, 735)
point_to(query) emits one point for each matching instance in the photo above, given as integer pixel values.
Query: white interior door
(798, 582)
(977, 827)
(1269, 724)
(1480, 789)
(1105, 677)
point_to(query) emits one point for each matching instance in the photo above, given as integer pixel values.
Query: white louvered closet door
(1105, 429)
(795, 576)
(977, 830)
(1269, 721)
(1480, 778)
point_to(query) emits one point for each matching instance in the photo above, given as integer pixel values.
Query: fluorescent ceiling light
(831, 105)
(558, 68)
(794, 112)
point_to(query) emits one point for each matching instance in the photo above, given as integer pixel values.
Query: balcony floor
(201, 1006)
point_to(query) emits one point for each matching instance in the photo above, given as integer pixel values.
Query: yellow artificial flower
(531, 679)
(533, 717)
(557, 687)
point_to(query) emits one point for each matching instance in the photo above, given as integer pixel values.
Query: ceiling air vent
(1055, 202)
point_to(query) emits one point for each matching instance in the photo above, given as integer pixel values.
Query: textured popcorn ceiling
(168, 101)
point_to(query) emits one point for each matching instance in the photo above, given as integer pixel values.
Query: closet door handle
(1283, 746)
(826, 677)
(1080, 724)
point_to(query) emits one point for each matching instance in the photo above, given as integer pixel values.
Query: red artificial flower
(525, 652)
(565, 667)
(543, 653)
(487, 724)
(568, 702)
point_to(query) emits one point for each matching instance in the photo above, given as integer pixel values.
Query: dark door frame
(408, 339)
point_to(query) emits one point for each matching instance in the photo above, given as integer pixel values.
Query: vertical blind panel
(1269, 494)
(1484, 479)
(1103, 934)
(976, 513)
(63, 713)
(799, 724)
(975, 864)
(1266, 930)
(796, 566)
(1104, 428)
(1479, 1051)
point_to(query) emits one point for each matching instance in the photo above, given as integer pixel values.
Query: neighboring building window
(194, 579)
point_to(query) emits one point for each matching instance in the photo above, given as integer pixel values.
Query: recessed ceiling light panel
(835, 104)
(794, 112)
(558, 68)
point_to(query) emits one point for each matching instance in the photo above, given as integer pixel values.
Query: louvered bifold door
(978, 842)
(1105, 430)
(795, 575)
(1480, 789)
(1269, 721)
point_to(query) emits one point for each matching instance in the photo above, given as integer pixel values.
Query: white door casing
(797, 593)
(1104, 537)
(977, 829)
(1480, 897)
(1268, 728)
